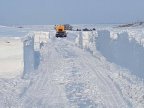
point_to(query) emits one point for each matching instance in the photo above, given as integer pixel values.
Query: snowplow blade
(61, 34)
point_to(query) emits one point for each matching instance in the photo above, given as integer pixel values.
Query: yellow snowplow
(60, 31)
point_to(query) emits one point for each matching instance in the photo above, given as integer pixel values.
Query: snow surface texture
(16, 56)
(68, 76)
(12, 32)
(40, 37)
(28, 54)
(89, 41)
(123, 50)
(11, 57)
(16, 52)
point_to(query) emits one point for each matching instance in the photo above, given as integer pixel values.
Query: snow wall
(86, 40)
(17, 56)
(123, 51)
(40, 37)
(28, 55)
(116, 48)
(11, 59)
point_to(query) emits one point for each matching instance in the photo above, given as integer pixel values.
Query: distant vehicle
(94, 29)
(78, 29)
(20, 27)
(86, 29)
(60, 31)
(68, 27)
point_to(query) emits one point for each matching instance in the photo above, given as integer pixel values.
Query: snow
(12, 32)
(133, 33)
(37, 28)
(80, 71)
(40, 37)
(128, 85)
(122, 49)
(17, 53)
(28, 54)
(11, 57)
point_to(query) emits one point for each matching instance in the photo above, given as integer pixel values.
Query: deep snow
(14, 54)
(84, 70)
(122, 51)
(11, 57)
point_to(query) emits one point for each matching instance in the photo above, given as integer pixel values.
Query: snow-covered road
(70, 77)
(87, 69)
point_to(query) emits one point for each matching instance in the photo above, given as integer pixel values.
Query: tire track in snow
(45, 91)
(113, 97)
(117, 100)
(87, 65)
(75, 88)
(61, 59)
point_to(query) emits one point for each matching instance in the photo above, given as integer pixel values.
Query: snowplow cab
(60, 28)
(60, 31)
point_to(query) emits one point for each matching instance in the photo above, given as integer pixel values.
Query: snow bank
(16, 52)
(28, 55)
(52, 34)
(86, 40)
(122, 49)
(40, 37)
(11, 57)
(72, 35)
(17, 56)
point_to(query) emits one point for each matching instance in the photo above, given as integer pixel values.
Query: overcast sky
(70, 11)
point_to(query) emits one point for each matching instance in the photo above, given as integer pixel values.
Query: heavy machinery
(68, 27)
(60, 31)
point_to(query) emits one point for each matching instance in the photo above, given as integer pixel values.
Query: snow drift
(70, 77)
(117, 47)
(122, 50)
(11, 59)
(17, 52)
(40, 37)
(28, 55)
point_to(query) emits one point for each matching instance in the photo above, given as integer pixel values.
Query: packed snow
(11, 57)
(87, 69)
(40, 37)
